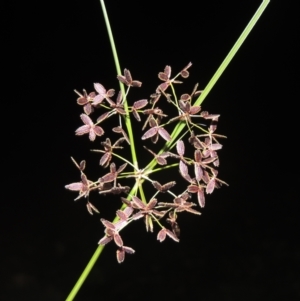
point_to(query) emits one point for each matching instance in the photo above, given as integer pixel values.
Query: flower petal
(98, 130)
(164, 134)
(84, 129)
(201, 198)
(105, 240)
(74, 186)
(161, 236)
(180, 147)
(150, 133)
(120, 255)
(172, 235)
(86, 119)
(118, 240)
(92, 135)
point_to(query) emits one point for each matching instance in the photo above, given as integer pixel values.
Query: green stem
(85, 273)
(117, 64)
(232, 52)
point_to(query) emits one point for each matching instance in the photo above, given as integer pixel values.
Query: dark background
(245, 246)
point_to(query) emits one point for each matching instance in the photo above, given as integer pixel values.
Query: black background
(245, 246)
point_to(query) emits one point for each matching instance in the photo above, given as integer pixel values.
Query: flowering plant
(129, 178)
(180, 137)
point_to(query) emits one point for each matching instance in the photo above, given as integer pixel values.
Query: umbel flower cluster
(189, 154)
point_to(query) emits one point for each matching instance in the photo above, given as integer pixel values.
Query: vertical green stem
(116, 59)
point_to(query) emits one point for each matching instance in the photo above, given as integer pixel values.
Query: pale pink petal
(138, 202)
(84, 179)
(192, 211)
(167, 71)
(172, 235)
(183, 169)
(121, 215)
(164, 134)
(201, 198)
(92, 135)
(86, 119)
(110, 93)
(128, 211)
(107, 224)
(140, 104)
(180, 147)
(194, 110)
(215, 146)
(82, 165)
(152, 203)
(137, 215)
(88, 109)
(118, 240)
(161, 161)
(198, 172)
(128, 250)
(122, 79)
(105, 240)
(98, 130)
(193, 188)
(105, 159)
(136, 115)
(161, 236)
(98, 99)
(120, 224)
(91, 208)
(108, 178)
(210, 186)
(128, 76)
(84, 129)
(136, 83)
(100, 89)
(120, 255)
(74, 186)
(162, 87)
(150, 133)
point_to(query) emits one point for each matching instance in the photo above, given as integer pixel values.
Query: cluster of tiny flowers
(198, 169)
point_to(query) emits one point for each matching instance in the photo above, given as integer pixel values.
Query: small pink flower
(89, 127)
(85, 101)
(161, 236)
(121, 253)
(111, 233)
(82, 187)
(102, 93)
(145, 210)
(126, 79)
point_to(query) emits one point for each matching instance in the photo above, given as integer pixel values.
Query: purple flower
(127, 79)
(85, 101)
(89, 127)
(121, 253)
(82, 187)
(111, 233)
(162, 235)
(180, 204)
(102, 93)
(145, 210)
